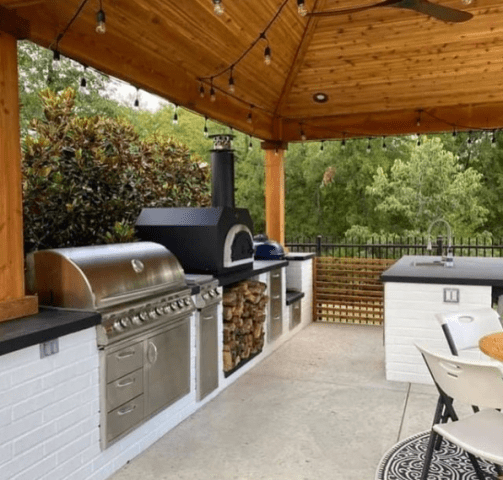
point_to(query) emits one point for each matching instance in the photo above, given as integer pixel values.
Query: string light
(384, 146)
(213, 95)
(56, 59)
(418, 140)
(301, 8)
(469, 141)
(454, 133)
(418, 122)
(267, 50)
(302, 134)
(101, 27)
(369, 148)
(175, 116)
(249, 118)
(201, 90)
(343, 143)
(218, 8)
(250, 145)
(322, 146)
(205, 129)
(137, 99)
(493, 140)
(232, 87)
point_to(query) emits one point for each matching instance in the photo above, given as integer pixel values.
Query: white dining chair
(464, 329)
(476, 383)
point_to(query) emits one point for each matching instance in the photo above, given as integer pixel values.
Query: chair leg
(441, 416)
(476, 466)
(429, 455)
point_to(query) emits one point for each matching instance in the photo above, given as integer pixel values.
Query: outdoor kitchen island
(417, 287)
(50, 407)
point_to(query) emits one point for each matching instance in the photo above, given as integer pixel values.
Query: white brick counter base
(409, 319)
(49, 407)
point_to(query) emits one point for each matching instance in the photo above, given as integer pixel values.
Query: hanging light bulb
(267, 55)
(205, 129)
(232, 87)
(369, 148)
(469, 141)
(83, 82)
(322, 146)
(101, 27)
(301, 8)
(175, 116)
(384, 146)
(137, 99)
(201, 90)
(302, 135)
(343, 144)
(56, 59)
(454, 133)
(418, 122)
(418, 140)
(213, 95)
(250, 145)
(493, 140)
(249, 118)
(218, 8)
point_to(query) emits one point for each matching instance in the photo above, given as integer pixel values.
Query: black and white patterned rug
(404, 461)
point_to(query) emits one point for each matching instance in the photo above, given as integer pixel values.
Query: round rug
(404, 461)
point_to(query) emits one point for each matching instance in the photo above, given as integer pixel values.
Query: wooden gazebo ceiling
(385, 71)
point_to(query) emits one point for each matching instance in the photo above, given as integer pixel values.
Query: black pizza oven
(217, 239)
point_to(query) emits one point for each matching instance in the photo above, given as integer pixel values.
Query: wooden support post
(13, 302)
(275, 191)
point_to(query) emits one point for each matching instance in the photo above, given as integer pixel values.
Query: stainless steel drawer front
(124, 361)
(295, 316)
(124, 418)
(124, 389)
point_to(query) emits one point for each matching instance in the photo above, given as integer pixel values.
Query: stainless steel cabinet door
(275, 312)
(207, 340)
(167, 367)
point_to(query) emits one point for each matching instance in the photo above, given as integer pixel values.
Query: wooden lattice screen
(348, 290)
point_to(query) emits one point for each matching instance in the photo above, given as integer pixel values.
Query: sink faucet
(449, 258)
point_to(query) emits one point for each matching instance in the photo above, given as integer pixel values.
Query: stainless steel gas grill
(144, 337)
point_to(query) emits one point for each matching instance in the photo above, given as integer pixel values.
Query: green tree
(430, 185)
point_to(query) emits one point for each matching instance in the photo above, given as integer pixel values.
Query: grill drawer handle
(126, 382)
(277, 317)
(208, 317)
(127, 354)
(152, 353)
(276, 275)
(126, 410)
(275, 297)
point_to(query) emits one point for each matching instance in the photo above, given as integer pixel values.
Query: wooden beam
(275, 195)
(13, 303)
(13, 24)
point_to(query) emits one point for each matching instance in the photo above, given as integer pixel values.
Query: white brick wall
(49, 408)
(409, 319)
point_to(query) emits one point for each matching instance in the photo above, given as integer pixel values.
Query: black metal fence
(395, 248)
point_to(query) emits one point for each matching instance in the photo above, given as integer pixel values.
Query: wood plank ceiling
(385, 70)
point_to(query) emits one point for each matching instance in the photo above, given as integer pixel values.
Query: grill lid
(101, 276)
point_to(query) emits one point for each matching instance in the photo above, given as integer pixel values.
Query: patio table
(492, 345)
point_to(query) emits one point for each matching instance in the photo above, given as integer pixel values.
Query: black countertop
(299, 256)
(46, 325)
(293, 296)
(259, 266)
(466, 271)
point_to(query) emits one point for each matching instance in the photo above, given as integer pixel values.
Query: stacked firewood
(244, 316)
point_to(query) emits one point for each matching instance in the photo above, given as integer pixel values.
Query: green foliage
(430, 185)
(86, 179)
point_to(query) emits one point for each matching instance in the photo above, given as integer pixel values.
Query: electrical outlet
(451, 295)
(49, 348)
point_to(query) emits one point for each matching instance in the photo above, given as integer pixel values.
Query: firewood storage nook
(244, 314)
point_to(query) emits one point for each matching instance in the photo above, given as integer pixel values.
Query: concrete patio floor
(318, 408)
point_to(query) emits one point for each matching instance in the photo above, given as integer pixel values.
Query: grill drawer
(125, 417)
(124, 361)
(124, 389)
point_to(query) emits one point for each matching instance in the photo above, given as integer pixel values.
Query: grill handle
(151, 353)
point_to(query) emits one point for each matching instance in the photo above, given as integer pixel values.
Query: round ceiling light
(320, 97)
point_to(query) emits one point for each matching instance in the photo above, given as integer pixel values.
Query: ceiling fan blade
(345, 11)
(446, 14)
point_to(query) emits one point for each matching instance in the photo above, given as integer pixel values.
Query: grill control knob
(205, 296)
(166, 309)
(212, 293)
(159, 311)
(174, 307)
(137, 320)
(152, 314)
(125, 322)
(180, 303)
(143, 316)
(187, 301)
(117, 326)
